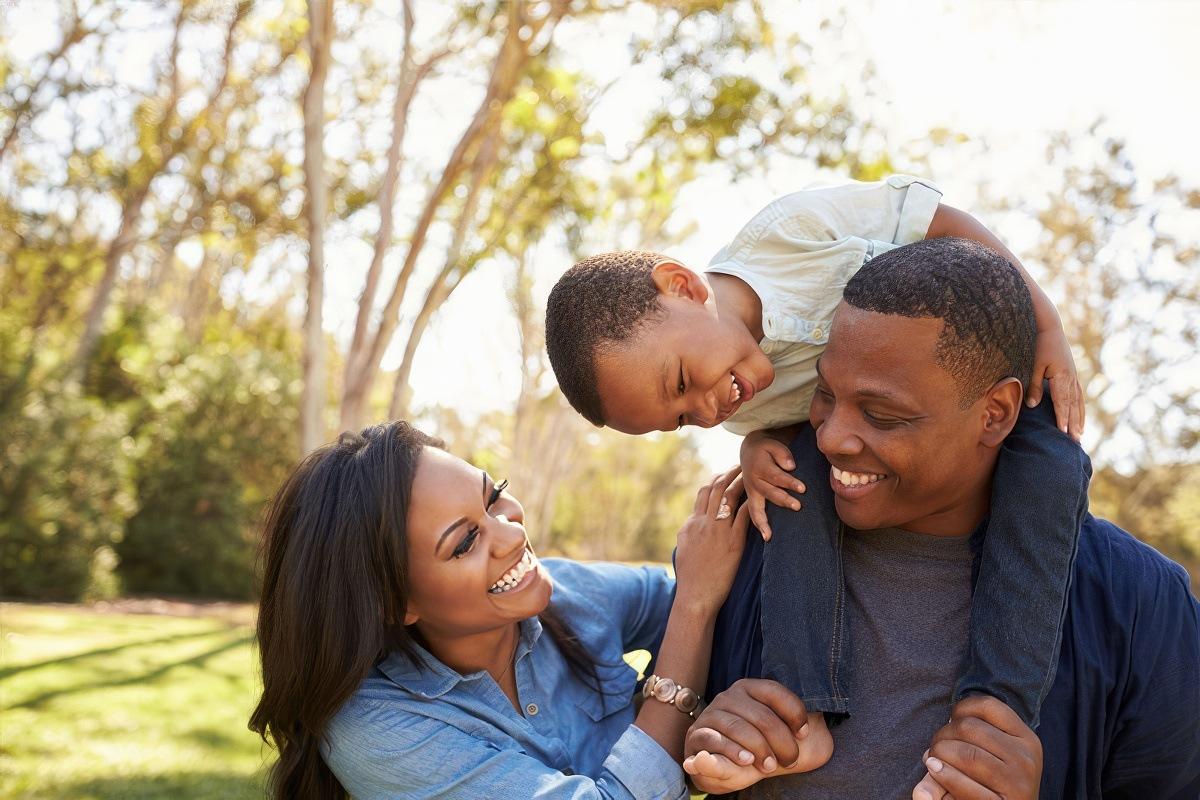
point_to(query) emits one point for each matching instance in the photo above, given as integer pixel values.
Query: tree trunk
(320, 37)
(363, 365)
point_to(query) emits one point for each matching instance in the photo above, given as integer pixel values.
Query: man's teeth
(855, 478)
(511, 578)
(737, 390)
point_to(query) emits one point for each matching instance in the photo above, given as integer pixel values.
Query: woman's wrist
(695, 605)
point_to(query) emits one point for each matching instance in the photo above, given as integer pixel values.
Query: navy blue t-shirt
(1122, 719)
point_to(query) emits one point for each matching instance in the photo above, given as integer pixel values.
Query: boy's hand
(1053, 362)
(985, 751)
(766, 469)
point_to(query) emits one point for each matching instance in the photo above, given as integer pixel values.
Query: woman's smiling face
(470, 565)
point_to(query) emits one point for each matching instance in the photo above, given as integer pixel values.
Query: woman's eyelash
(466, 544)
(468, 541)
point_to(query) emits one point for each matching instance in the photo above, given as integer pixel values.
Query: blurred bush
(66, 489)
(219, 432)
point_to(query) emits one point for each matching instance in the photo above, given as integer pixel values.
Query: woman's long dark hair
(334, 593)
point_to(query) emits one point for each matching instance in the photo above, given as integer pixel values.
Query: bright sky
(1004, 70)
(993, 68)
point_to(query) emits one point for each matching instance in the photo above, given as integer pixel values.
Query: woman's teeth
(855, 478)
(511, 578)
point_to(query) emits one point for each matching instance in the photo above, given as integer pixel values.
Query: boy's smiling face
(690, 365)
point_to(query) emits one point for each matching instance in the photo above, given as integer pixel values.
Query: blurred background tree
(230, 229)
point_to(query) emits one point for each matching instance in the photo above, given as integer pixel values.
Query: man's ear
(1001, 407)
(675, 280)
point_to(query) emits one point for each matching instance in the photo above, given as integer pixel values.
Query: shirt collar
(427, 677)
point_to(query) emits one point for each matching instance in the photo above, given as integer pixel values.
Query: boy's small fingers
(758, 515)
(783, 499)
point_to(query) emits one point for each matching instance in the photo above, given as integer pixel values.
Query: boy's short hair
(602, 300)
(989, 327)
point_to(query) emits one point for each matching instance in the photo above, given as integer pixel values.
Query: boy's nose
(705, 412)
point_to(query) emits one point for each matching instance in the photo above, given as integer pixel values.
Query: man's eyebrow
(662, 383)
(460, 520)
(869, 391)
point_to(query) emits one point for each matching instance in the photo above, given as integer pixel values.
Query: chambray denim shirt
(797, 254)
(423, 730)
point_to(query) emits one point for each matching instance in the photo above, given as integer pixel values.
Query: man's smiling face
(888, 417)
(685, 367)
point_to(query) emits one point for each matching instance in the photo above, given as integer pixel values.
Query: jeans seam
(835, 646)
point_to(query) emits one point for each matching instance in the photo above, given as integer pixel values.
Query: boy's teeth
(855, 478)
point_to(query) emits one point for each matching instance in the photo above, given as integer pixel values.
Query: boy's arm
(1052, 354)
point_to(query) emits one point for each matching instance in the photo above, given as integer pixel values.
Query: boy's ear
(1002, 406)
(675, 280)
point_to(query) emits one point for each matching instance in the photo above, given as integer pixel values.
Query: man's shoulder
(1114, 565)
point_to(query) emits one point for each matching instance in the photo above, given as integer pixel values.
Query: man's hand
(985, 752)
(766, 469)
(1052, 361)
(754, 729)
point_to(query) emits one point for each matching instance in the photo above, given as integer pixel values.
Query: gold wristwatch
(668, 691)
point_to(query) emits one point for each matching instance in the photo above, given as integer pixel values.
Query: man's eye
(881, 421)
(466, 544)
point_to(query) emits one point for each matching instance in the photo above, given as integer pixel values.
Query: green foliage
(627, 498)
(66, 490)
(218, 433)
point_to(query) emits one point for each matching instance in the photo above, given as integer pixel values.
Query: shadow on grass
(194, 661)
(180, 786)
(107, 651)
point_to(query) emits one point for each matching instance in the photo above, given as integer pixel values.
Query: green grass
(134, 706)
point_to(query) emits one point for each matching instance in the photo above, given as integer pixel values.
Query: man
(919, 385)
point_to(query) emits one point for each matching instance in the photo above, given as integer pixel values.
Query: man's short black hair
(602, 300)
(989, 329)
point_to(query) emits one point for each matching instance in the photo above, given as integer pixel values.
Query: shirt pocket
(617, 686)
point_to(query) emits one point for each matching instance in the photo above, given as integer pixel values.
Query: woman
(414, 646)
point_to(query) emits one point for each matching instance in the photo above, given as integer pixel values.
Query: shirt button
(531, 709)
(818, 334)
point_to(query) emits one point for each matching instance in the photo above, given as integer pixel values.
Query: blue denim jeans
(1024, 556)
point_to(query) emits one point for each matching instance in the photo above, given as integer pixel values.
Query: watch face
(665, 690)
(687, 701)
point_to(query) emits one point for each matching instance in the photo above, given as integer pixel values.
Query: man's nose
(836, 434)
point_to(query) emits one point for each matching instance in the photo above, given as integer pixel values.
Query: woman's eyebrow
(460, 520)
(447, 532)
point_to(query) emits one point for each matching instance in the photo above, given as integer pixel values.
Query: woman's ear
(410, 616)
(1001, 409)
(675, 280)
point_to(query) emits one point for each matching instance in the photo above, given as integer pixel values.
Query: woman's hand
(710, 543)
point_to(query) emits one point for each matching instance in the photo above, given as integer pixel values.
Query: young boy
(640, 342)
